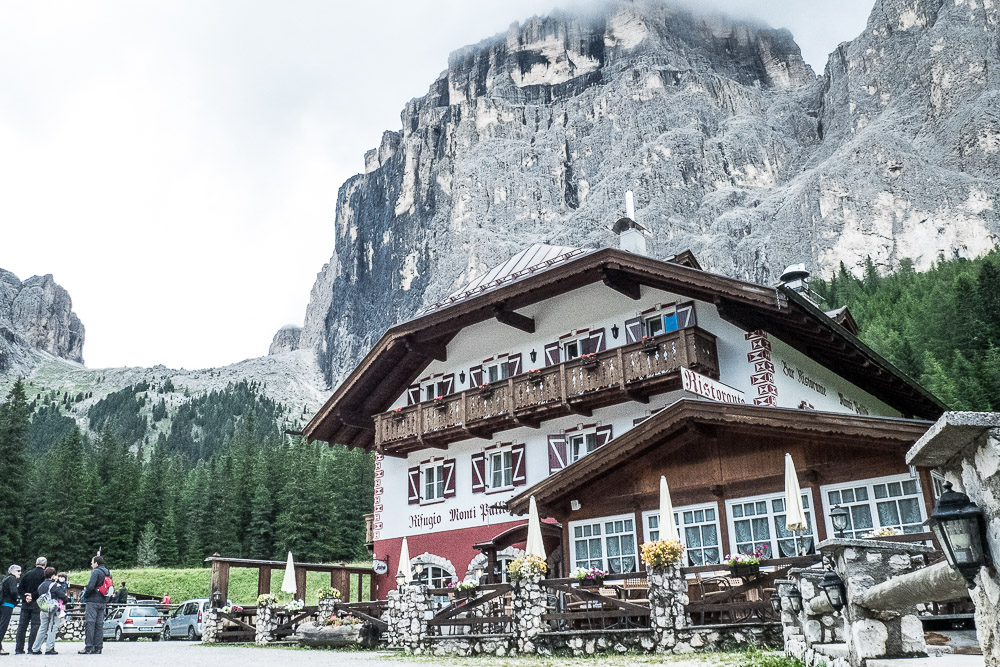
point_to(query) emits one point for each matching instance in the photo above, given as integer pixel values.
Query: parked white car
(186, 621)
(132, 622)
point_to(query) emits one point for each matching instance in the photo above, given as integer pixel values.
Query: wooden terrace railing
(628, 372)
(572, 606)
(485, 611)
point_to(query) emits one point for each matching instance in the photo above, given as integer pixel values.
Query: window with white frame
(574, 348)
(938, 480)
(608, 544)
(698, 526)
(760, 521)
(434, 389)
(579, 445)
(433, 481)
(874, 504)
(500, 472)
(496, 371)
(432, 576)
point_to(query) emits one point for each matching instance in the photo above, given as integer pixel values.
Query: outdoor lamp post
(833, 586)
(776, 602)
(400, 579)
(839, 518)
(960, 529)
(795, 599)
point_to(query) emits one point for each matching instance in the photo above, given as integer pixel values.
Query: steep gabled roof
(406, 349)
(658, 429)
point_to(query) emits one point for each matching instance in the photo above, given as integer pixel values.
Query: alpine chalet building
(580, 376)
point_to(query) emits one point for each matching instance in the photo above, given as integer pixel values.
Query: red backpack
(107, 587)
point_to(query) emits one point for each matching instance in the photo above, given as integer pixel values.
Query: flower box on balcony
(649, 345)
(439, 403)
(486, 390)
(589, 361)
(745, 570)
(397, 415)
(535, 377)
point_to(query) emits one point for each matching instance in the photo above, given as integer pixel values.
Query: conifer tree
(14, 416)
(166, 540)
(146, 549)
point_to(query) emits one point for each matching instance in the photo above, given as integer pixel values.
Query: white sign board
(709, 388)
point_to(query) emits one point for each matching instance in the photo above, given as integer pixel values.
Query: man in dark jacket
(30, 615)
(96, 602)
(8, 600)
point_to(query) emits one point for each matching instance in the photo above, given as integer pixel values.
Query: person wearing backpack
(8, 600)
(28, 587)
(95, 598)
(50, 600)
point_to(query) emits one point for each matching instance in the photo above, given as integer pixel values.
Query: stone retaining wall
(71, 630)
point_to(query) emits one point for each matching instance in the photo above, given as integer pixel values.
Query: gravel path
(186, 654)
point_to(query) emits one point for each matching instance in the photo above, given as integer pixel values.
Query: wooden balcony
(632, 372)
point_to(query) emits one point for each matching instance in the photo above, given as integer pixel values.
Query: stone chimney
(631, 236)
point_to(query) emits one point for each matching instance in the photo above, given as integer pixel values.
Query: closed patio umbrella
(534, 546)
(795, 515)
(668, 527)
(288, 583)
(404, 562)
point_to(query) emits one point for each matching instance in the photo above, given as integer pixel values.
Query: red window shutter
(603, 434)
(475, 376)
(520, 477)
(552, 354)
(557, 452)
(514, 364)
(413, 477)
(596, 340)
(633, 330)
(449, 478)
(413, 394)
(448, 384)
(478, 473)
(686, 315)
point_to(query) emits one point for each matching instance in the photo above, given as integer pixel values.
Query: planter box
(313, 634)
(591, 583)
(651, 347)
(745, 570)
(463, 595)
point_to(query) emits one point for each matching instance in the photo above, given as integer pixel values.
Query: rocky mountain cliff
(36, 315)
(733, 146)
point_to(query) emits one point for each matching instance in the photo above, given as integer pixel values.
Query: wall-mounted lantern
(839, 517)
(795, 599)
(614, 331)
(461, 377)
(533, 355)
(833, 586)
(776, 602)
(960, 528)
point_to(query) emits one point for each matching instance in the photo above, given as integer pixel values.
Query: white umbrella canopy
(288, 583)
(404, 562)
(534, 546)
(668, 527)
(795, 514)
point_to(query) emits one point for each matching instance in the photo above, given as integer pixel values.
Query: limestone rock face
(733, 146)
(286, 340)
(38, 314)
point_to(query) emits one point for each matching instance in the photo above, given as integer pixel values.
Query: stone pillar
(327, 608)
(268, 618)
(211, 632)
(528, 603)
(409, 609)
(821, 624)
(965, 448)
(892, 633)
(668, 597)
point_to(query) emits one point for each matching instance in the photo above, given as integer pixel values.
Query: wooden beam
(620, 282)
(427, 349)
(513, 319)
(356, 421)
(580, 410)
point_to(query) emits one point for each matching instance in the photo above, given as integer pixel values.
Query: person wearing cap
(8, 600)
(30, 614)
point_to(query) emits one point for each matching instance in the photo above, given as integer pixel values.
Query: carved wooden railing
(580, 385)
(483, 611)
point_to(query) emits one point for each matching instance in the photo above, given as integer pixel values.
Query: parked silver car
(186, 621)
(132, 622)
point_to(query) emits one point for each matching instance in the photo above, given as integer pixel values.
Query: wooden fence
(356, 584)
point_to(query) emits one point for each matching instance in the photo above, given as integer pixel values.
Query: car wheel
(166, 632)
(118, 634)
(192, 636)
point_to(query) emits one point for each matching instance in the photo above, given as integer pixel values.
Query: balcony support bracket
(431, 350)
(514, 319)
(620, 282)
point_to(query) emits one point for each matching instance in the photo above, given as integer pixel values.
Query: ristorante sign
(709, 388)
(448, 519)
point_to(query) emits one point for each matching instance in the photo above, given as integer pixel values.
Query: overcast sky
(175, 164)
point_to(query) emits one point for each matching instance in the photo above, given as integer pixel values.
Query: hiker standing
(51, 601)
(8, 600)
(122, 595)
(95, 599)
(27, 587)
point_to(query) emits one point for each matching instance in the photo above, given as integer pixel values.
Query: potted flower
(267, 600)
(231, 609)
(526, 567)
(747, 565)
(662, 553)
(462, 589)
(535, 376)
(589, 577)
(649, 345)
(589, 360)
(328, 593)
(439, 403)
(295, 605)
(486, 389)
(397, 415)
(888, 531)
(333, 631)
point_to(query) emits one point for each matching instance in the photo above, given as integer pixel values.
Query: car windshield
(142, 611)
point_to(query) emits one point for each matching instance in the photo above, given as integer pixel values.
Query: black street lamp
(795, 599)
(776, 602)
(960, 528)
(834, 588)
(839, 517)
